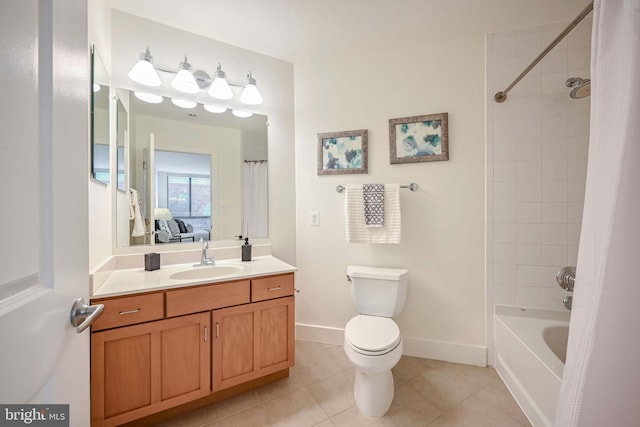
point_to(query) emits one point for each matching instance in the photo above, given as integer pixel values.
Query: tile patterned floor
(319, 392)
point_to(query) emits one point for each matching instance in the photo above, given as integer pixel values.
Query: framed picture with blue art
(419, 139)
(342, 152)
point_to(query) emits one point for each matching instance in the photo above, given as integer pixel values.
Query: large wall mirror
(189, 174)
(100, 170)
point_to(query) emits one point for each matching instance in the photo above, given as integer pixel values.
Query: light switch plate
(314, 218)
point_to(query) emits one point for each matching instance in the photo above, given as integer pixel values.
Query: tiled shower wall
(537, 142)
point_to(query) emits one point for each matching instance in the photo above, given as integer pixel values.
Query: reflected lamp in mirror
(162, 213)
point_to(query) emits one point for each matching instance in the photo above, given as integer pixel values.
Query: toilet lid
(372, 334)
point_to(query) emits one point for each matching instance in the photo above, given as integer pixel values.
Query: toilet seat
(372, 335)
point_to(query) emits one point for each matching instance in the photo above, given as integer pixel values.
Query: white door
(44, 115)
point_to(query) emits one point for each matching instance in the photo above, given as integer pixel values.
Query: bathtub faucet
(566, 278)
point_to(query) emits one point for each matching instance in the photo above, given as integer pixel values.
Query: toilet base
(373, 392)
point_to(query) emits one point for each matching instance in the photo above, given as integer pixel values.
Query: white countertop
(136, 280)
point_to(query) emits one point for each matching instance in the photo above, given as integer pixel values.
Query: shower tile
(489, 195)
(529, 107)
(503, 110)
(552, 298)
(578, 147)
(504, 274)
(549, 275)
(529, 296)
(529, 149)
(504, 212)
(572, 255)
(505, 253)
(529, 275)
(574, 212)
(573, 234)
(505, 171)
(554, 62)
(505, 294)
(582, 105)
(529, 212)
(554, 126)
(551, 31)
(504, 130)
(578, 58)
(554, 148)
(530, 85)
(529, 234)
(505, 44)
(554, 83)
(529, 41)
(529, 191)
(575, 190)
(505, 191)
(504, 233)
(553, 255)
(555, 105)
(578, 125)
(524, 60)
(529, 255)
(504, 150)
(529, 170)
(554, 212)
(577, 168)
(529, 128)
(580, 36)
(554, 169)
(554, 234)
(554, 191)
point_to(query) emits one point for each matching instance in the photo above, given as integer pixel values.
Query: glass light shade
(185, 82)
(148, 97)
(96, 87)
(220, 89)
(214, 109)
(241, 114)
(251, 95)
(144, 73)
(183, 103)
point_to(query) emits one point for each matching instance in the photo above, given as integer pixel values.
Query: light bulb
(183, 103)
(148, 97)
(214, 109)
(220, 88)
(184, 80)
(250, 94)
(143, 72)
(241, 113)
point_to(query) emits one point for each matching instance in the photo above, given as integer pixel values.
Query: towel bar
(413, 187)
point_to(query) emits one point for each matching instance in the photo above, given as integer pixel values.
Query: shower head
(581, 87)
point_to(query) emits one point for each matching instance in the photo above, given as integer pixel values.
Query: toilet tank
(378, 291)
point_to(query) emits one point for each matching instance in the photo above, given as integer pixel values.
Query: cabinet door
(251, 341)
(142, 369)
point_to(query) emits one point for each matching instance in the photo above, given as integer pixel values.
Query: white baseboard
(416, 347)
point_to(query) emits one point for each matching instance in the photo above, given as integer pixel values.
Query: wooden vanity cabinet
(158, 350)
(142, 369)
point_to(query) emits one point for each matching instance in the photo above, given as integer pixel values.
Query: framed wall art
(419, 138)
(342, 152)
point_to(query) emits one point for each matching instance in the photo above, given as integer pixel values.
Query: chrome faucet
(204, 259)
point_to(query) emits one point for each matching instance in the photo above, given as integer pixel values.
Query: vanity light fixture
(96, 87)
(250, 95)
(220, 87)
(241, 113)
(214, 108)
(151, 98)
(144, 72)
(184, 80)
(184, 103)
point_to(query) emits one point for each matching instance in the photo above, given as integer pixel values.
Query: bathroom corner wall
(537, 142)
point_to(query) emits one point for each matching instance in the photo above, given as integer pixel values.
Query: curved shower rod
(502, 96)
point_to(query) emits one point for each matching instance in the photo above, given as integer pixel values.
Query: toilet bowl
(372, 340)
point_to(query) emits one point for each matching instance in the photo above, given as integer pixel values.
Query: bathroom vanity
(175, 336)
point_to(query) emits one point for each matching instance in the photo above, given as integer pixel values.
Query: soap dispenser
(246, 250)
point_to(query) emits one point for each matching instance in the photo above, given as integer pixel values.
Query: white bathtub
(530, 348)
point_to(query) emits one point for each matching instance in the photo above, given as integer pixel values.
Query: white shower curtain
(601, 384)
(255, 201)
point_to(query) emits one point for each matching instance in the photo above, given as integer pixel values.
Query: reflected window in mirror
(183, 196)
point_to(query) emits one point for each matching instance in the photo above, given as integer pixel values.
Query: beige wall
(362, 87)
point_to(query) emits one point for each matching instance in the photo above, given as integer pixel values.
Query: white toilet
(372, 339)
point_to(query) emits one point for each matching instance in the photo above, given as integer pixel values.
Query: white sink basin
(208, 272)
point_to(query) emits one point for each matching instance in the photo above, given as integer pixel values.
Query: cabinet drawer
(203, 298)
(271, 287)
(129, 310)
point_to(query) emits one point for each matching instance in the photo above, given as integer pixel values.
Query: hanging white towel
(357, 231)
(135, 213)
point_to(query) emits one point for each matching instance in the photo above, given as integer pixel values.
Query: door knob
(83, 314)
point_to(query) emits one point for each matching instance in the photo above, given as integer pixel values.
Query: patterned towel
(373, 198)
(357, 230)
